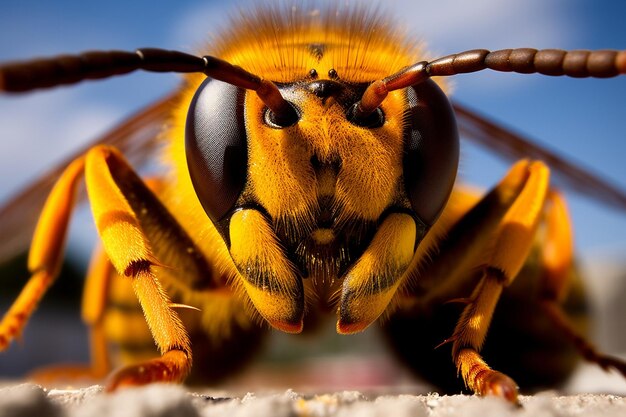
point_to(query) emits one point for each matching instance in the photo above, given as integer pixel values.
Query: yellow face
(323, 176)
(311, 198)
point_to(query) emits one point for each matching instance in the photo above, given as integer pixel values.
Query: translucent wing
(513, 146)
(137, 137)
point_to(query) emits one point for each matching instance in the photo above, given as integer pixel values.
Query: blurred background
(580, 119)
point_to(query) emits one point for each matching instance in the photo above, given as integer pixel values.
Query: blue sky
(582, 119)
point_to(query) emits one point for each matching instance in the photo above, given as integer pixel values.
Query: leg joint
(498, 274)
(136, 267)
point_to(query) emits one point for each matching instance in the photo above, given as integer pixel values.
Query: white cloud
(485, 23)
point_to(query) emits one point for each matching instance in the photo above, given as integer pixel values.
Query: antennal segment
(69, 69)
(578, 63)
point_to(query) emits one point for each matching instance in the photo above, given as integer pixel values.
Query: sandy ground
(167, 400)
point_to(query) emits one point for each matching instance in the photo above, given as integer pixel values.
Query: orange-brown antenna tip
(376, 92)
(284, 113)
(620, 62)
(373, 96)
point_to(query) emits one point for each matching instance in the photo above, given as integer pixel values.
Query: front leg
(504, 258)
(124, 228)
(481, 243)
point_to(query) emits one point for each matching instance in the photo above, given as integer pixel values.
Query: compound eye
(431, 148)
(216, 146)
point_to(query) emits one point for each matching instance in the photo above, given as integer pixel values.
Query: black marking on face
(316, 50)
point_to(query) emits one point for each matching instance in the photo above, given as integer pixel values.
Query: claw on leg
(483, 380)
(173, 366)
